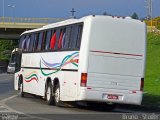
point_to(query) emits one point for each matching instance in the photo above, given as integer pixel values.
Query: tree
(6, 46)
(105, 13)
(135, 15)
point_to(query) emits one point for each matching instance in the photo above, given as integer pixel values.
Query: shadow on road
(120, 108)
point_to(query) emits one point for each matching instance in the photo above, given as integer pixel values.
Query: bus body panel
(116, 59)
(101, 95)
(118, 35)
(16, 80)
(112, 53)
(41, 66)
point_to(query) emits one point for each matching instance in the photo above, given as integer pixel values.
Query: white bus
(92, 59)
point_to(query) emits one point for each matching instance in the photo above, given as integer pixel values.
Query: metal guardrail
(154, 23)
(29, 20)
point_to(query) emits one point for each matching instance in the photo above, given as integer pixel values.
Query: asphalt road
(6, 85)
(32, 107)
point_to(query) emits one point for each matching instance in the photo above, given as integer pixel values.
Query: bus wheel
(22, 93)
(19, 85)
(57, 96)
(49, 97)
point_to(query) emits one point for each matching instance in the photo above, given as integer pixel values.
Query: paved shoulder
(5, 76)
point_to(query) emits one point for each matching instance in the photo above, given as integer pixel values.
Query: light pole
(3, 8)
(149, 10)
(12, 6)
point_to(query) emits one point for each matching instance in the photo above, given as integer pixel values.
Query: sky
(62, 8)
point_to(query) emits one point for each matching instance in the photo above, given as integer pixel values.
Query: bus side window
(78, 42)
(31, 46)
(60, 39)
(28, 42)
(63, 38)
(21, 42)
(36, 39)
(25, 43)
(48, 38)
(67, 37)
(74, 37)
(57, 38)
(43, 40)
(53, 41)
(39, 47)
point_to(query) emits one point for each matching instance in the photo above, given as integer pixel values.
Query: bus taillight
(142, 84)
(83, 79)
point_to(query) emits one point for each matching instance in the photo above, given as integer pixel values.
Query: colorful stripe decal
(116, 53)
(31, 77)
(56, 67)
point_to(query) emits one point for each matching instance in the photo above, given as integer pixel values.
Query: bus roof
(57, 24)
(73, 21)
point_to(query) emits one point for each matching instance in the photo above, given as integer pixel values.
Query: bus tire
(49, 96)
(57, 96)
(21, 88)
(19, 85)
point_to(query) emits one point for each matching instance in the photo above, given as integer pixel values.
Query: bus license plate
(114, 97)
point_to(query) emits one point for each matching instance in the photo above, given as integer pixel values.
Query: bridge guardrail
(29, 20)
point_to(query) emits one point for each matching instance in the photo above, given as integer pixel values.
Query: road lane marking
(6, 109)
(2, 102)
(3, 109)
(6, 99)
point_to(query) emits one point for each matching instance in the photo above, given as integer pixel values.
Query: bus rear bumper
(112, 96)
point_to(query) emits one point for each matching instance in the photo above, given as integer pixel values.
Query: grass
(152, 77)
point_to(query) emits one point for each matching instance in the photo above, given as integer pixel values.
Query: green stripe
(31, 76)
(48, 73)
(75, 64)
(63, 61)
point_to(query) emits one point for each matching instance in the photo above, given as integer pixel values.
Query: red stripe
(31, 79)
(116, 53)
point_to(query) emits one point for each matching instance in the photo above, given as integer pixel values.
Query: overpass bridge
(11, 28)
